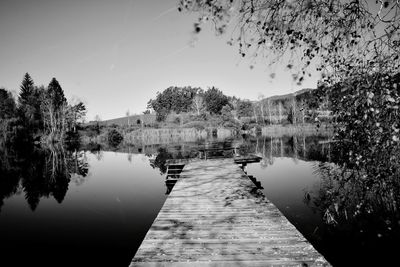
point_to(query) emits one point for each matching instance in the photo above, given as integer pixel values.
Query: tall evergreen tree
(56, 94)
(29, 104)
(7, 104)
(27, 89)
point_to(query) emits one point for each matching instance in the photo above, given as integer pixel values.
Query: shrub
(195, 117)
(245, 127)
(198, 125)
(114, 137)
(174, 118)
(246, 120)
(226, 112)
(257, 129)
(231, 124)
(161, 115)
(203, 116)
(177, 120)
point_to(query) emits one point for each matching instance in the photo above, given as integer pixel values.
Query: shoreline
(182, 134)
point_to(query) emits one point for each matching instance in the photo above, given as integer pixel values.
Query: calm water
(82, 207)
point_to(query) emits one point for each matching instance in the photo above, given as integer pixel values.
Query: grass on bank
(189, 128)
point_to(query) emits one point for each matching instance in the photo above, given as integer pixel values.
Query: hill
(298, 94)
(149, 119)
(131, 120)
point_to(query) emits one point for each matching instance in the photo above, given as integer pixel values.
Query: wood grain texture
(215, 216)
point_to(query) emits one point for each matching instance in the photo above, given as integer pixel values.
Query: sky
(116, 55)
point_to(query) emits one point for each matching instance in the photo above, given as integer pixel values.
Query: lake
(87, 206)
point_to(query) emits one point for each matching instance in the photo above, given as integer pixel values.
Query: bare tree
(269, 111)
(55, 119)
(235, 105)
(302, 108)
(128, 116)
(260, 98)
(255, 111)
(280, 111)
(198, 104)
(293, 111)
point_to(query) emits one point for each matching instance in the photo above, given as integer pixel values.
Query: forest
(303, 106)
(40, 114)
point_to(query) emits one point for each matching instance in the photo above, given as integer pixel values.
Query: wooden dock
(216, 216)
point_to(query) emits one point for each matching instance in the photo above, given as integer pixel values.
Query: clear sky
(115, 55)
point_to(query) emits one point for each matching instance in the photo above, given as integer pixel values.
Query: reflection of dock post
(243, 161)
(263, 150)
(243, 167)
(329, 151)
(254, 180)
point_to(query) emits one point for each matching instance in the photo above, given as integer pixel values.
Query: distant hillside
(286, 97)
(131, 120)
(149, 119)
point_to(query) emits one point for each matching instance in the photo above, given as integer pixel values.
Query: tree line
(40, 113)
(303, 106)
(186, 99)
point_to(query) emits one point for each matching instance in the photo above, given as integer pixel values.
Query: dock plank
(216, 216)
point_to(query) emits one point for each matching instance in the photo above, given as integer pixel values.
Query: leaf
(385, 4)
(391, 99)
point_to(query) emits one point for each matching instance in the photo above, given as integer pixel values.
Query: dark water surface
(100, 217)
(87, 208)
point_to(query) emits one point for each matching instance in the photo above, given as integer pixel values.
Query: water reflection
(364, 211)
(345, 212)
(50, 205)
(345, 195)
(348, 214)
(296, 147)
(40, 172)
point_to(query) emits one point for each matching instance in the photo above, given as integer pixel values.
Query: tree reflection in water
(362, 206)
(172, 152)
(40, 172)
(358, 204)
(355, 207)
